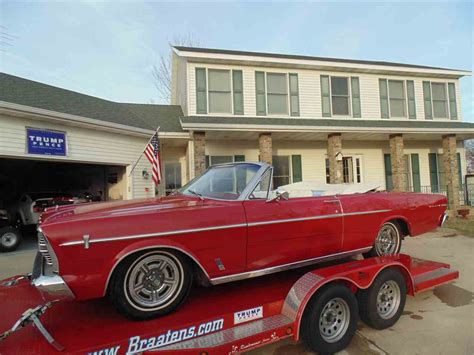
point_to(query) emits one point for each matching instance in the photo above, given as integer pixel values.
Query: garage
(64, 147)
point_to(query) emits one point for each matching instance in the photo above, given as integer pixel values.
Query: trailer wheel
(10, 238)
(150, 284)
(382, 304)
(330, 319)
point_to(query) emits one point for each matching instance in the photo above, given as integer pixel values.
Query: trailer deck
(229, 318)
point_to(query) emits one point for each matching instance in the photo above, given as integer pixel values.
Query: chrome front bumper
(51, 286)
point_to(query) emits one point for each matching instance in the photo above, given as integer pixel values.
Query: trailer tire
(382, 304)
(330, 319)
(10, 238)
(150, 284)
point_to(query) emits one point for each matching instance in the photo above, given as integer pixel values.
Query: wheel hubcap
(388, 299)
(153, 281)
(334, 320)
(387, 240)
(8, 239)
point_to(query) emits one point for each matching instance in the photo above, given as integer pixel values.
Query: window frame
(209, 91)
(232, 104)
(357, 168)
(290, 170)
(405, 98)
(267, 104)
(447, 100)
(349, 95)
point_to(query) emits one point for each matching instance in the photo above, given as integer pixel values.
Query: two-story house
(323, 119)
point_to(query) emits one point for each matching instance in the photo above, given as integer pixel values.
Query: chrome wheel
(334, 320)
(388, 240)
(9, 239)
(153, 281)
(388, 299)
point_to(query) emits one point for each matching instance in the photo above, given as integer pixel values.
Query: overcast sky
(108, 49)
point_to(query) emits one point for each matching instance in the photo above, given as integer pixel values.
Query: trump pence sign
(46, 142)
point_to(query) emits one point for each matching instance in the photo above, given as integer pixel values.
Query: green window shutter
(260, 93)
(388, 172)
(383, 98)
(297, 168)
(238, 92)
(325, 96)
(201, 91)
(459, 169)
(433, 161)
(239, 158)
(294, 95)
(427, 100)
(208, 161)
(415, 171)
(355, 89)
(411, 99)
(453, 110)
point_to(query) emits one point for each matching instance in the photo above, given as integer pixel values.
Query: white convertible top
(311, 188)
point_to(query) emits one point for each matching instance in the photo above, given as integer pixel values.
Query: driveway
(434, 322)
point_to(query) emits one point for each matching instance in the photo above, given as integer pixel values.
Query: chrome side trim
(151, 235)
(240, 225)
(284, 267)
(335, 215)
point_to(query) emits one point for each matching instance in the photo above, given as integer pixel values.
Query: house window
(217, 91)
(220, 99)
(340, 95)
(281, 170)
(277, 94)
(440, 101)
(172, 176)
(223, 159)
(396, 94)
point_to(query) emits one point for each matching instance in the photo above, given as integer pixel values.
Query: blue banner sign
(44, 142)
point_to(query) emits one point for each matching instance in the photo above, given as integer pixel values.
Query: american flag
(152, 152)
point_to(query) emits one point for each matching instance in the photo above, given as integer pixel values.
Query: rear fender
(148, 245)
(399, 217)
(310, 283)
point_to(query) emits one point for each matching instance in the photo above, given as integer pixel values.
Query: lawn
(463, 226)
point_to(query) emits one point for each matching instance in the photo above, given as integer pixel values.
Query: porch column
(265, 145)
(199, 139)
(335, 158)
(450, 165)
(398, 166)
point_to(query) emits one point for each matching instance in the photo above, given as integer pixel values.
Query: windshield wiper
(197, 194)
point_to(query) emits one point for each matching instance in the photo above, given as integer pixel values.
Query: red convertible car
(226, 225)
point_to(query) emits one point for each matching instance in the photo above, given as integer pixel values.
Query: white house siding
(310, 92)
(179, 83)
(85, 145)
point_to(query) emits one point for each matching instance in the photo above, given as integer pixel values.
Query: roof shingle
(25, 92)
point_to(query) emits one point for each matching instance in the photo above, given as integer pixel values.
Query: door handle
(331, 201)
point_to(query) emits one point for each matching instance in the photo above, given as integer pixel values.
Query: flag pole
(136, 162)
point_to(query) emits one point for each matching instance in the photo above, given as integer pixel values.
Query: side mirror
(280, 195)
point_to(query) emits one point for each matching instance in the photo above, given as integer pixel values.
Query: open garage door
(85, 181)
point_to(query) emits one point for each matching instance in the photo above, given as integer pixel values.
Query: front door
(293, 230)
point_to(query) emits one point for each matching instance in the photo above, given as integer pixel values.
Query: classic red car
(226, 225)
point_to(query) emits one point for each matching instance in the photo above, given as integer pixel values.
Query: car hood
(87, 211)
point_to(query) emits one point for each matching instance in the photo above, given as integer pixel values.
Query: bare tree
(161, 71)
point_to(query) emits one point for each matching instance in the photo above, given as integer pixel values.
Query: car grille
(43, 249)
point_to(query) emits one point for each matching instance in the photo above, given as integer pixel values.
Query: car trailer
(320, 306)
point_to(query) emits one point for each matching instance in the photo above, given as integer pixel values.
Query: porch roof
(465, 130)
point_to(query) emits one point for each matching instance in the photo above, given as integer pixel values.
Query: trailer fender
(310, 283)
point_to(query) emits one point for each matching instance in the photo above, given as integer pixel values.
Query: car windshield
(225, 182)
